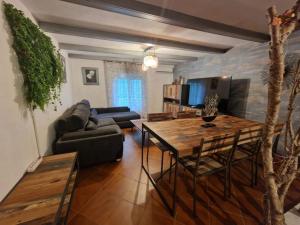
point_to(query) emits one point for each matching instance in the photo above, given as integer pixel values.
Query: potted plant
(210, 111)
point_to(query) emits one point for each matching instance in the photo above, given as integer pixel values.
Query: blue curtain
(128, 91)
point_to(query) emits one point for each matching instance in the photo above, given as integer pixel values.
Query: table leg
(171, 207)
(143, 143)
(175, 185)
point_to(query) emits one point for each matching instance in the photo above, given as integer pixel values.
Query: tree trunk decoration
(278, 180)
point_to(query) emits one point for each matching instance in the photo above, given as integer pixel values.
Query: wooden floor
(120, 193)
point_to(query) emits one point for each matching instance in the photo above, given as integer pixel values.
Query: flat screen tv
(202, 87)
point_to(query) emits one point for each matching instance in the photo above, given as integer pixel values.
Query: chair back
(223, 143)
(278, 128)
(155, 117)
(251, 136)
(186, 114)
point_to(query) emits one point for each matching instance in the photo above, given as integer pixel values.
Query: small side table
(43, 196)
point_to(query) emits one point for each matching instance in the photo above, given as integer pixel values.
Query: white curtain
(126, 85)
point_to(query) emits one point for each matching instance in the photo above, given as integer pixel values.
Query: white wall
(96, 94)
(45, 120)
(155, 81)
(18, 147)
(17, 136)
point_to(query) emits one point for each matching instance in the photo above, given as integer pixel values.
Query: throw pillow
(94, 119)
(91, 126)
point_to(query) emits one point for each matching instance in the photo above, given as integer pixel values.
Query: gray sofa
(121, 115)
(96, 138)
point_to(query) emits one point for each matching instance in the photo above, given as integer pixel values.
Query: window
(128, 91)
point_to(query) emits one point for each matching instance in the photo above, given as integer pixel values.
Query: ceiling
(181, 30)
(247, 14)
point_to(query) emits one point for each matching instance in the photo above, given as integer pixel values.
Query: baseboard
(31, 168)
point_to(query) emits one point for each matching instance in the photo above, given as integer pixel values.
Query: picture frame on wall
(63, 62)
(90, 75)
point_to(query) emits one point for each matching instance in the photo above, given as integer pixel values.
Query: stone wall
(245, 64)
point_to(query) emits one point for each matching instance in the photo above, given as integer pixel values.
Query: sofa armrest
(89, 134)
(113, 109)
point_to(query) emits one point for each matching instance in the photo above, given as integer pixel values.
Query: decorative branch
(278, 182)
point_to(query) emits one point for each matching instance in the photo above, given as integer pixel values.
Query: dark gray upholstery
(112, 109)
(91, 125)
(96, 140)
(79, 117)
(105, 122)
(113, 129)
(120, 117)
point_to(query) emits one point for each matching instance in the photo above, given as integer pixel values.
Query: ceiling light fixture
(144, 68)
(150, 59)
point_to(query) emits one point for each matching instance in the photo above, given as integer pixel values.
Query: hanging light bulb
(144, 67)
(150, 59)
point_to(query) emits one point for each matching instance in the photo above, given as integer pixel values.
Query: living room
(114, 108)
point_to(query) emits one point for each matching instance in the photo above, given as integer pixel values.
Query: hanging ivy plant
(38, 58)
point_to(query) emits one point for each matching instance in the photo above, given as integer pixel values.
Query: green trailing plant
(39, 61)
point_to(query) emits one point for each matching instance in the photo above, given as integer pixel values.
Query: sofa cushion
(105, 122)
(91, 125)
(100, 131)
(85, 102)
(120, 116)
(94, 119)
(79, 117)
(113, 109)
(61, 124)
(94, 112)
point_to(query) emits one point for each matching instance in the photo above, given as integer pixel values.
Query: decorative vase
(208, 119)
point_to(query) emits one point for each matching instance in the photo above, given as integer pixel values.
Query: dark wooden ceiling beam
(171, 17)
(122, 37)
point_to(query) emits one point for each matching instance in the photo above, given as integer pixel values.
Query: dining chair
(202, 162)
(248, 148)
(185, 114)
(156, 117)
(254, 148)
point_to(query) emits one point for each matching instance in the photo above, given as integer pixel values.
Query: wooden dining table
(181, 136)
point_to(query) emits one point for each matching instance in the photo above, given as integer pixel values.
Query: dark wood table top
(185, 134)
(37, 197)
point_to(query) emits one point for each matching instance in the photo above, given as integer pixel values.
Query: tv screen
(202, 87)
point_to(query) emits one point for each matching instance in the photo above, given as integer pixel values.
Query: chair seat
(207, 165)
(158, 144)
